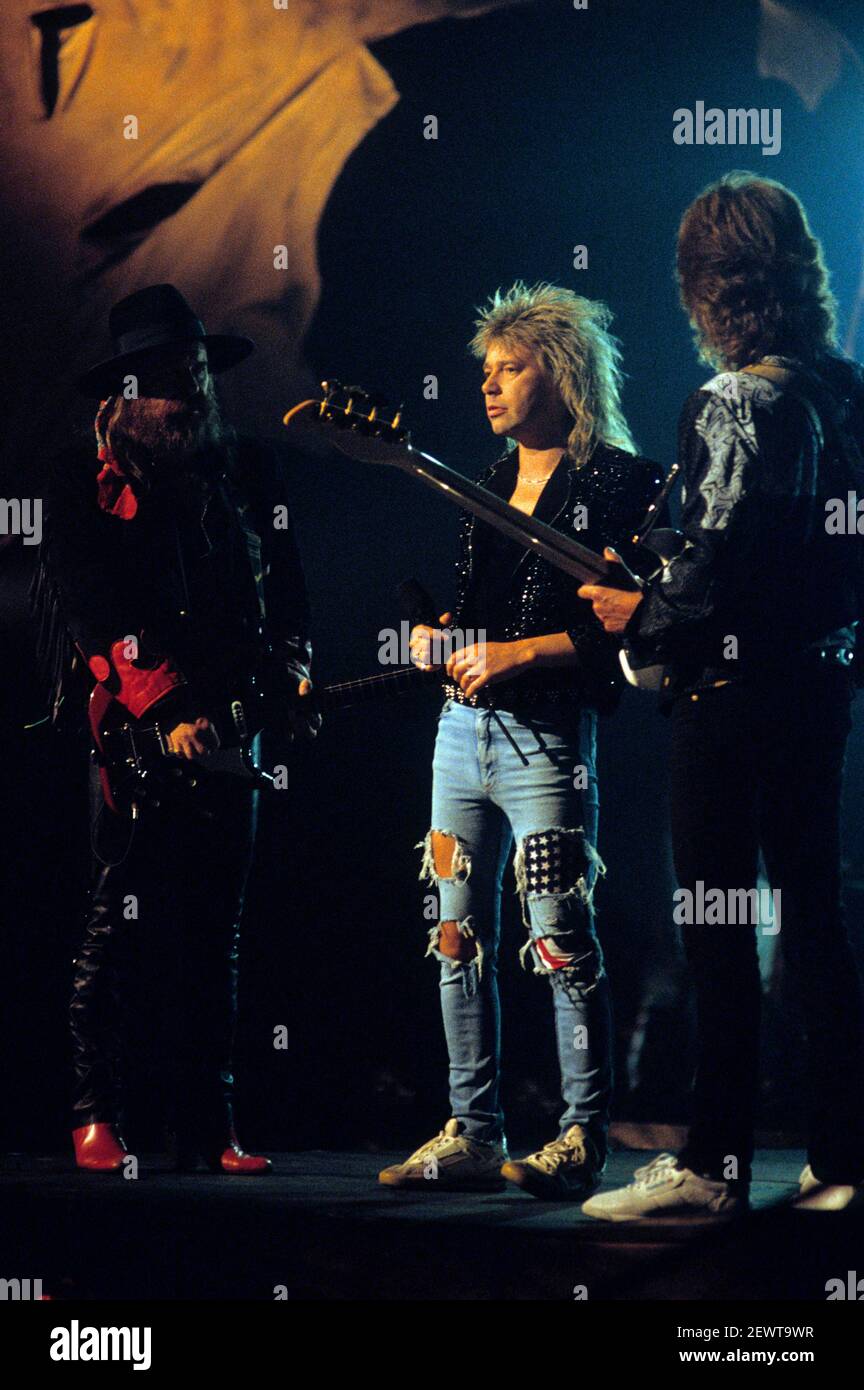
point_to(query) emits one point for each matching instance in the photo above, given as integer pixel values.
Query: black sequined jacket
(602, 502)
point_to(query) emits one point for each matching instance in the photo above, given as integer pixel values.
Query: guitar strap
(794, 384)
(237, 504)
(822, 407)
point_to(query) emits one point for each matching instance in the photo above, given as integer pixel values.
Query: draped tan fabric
(798, 46)
(177, 140)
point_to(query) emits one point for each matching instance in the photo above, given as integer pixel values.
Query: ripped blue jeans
(499, 778)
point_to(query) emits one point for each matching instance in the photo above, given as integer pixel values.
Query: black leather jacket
(615, 489)
(760, 565)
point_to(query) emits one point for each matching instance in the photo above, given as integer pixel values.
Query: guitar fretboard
(389, 685)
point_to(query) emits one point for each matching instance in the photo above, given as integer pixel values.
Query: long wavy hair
(751, 274)
(570, 338)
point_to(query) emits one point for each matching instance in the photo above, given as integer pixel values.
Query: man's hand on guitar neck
(428, 642)
(193, 740)
(613, 607)
(303, 723)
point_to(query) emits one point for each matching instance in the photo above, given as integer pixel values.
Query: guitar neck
(561, 551)
(359, 428)
(389, 685)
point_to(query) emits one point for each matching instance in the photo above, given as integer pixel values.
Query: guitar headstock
(357, 422)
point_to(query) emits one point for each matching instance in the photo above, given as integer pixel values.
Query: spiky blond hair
(570, 337)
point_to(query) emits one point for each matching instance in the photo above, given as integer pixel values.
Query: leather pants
(178, 893)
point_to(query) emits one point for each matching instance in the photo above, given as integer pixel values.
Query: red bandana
(115, 494)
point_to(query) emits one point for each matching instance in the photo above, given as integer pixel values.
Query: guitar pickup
(238, 717)
(164, 746)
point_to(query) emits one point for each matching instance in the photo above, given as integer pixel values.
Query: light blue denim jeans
(499, 778)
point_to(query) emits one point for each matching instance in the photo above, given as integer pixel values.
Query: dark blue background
(555, 129)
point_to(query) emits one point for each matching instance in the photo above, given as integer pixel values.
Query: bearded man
(171, 557)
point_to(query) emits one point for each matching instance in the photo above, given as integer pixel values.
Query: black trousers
(759, 766)
(175, 900)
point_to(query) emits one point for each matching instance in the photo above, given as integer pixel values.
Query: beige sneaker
(450, 1162)
(823, 1196)
(662, 1189)
(567, 1169)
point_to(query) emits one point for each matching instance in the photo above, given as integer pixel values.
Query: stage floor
(320, 1227)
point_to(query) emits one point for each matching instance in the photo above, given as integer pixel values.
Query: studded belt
(479, 701)
(516, 701)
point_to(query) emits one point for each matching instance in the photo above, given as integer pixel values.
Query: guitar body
(665, 544)
(641, 677)
(104, 715)
(136, 766)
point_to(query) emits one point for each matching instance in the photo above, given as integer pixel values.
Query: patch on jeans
(471, 969)
(552, 861)
(578, 974)
(460, 866)
(551, 952)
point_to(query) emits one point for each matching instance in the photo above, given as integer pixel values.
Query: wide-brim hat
(148, 321)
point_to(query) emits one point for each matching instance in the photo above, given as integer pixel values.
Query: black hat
(150, 319)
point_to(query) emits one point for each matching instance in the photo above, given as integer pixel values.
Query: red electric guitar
(136, 766)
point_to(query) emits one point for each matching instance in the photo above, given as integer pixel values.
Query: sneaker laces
(655, 1173)
(449, 1136)
(567, 1148)
(431, 1145)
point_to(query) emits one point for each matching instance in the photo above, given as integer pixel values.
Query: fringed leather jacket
(602, 502)
(171, 595)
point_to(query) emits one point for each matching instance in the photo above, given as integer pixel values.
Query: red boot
(98, 1148)
(234, 1160)
(220, 1150)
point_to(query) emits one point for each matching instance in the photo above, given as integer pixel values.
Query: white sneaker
(823, 1196)
(661, 1188)
(567, 1169)
(450, 1162)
